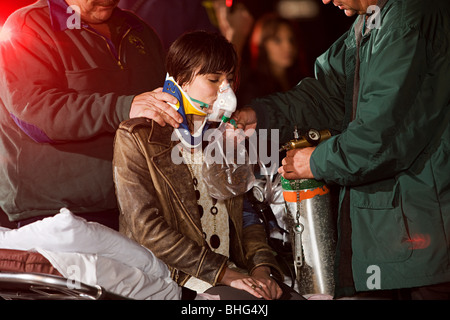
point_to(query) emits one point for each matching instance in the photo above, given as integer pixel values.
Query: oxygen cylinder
(311, 225)
(312, 234)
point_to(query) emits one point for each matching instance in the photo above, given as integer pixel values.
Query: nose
(326, 1)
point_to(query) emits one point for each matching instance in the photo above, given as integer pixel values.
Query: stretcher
(65, 257)
(36, 286)
(28, 275)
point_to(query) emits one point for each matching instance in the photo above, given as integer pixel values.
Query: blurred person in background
(171, 18)
(277, 62)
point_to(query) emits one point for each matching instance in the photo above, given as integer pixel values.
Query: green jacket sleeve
(403, 105)
(314, 103)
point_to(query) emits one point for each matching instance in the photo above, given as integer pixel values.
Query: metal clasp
(298, 248)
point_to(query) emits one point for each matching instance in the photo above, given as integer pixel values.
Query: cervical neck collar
(184, 107)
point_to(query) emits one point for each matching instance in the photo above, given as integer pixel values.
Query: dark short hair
(207, 52)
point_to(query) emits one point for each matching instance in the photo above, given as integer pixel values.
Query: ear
(185, 87)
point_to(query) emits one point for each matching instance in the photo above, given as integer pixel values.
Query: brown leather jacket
(159, 209)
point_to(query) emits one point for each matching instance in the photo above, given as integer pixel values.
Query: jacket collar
(177, 176)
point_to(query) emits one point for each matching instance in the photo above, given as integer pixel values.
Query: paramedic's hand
(246, 120)
(153, 105)
(296, 164)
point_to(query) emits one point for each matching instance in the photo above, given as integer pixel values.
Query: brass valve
(312, 138)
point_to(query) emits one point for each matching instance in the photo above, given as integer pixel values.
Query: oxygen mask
(224, 106)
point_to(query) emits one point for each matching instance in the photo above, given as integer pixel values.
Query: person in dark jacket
(68, 76)
(382, 88)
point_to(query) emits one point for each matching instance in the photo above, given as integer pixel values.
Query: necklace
(215, 221)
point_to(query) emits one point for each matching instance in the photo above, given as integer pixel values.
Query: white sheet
(103, 256)
(112, 275)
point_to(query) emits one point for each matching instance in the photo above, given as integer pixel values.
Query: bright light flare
(5, 34)
(420, 241)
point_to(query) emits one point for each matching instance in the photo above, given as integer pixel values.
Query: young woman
(165, 206)
(276, 62)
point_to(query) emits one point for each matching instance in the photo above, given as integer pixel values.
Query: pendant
(214, 241)
(200, 210)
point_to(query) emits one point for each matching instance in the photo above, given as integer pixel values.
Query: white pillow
(66, 232)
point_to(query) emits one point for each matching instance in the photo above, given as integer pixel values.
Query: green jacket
(394, 157)
(63, 94)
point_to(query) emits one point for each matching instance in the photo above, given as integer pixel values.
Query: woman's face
(204, 87)
(281, 50)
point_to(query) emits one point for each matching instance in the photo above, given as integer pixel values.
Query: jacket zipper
(119, 53)
(118, 59)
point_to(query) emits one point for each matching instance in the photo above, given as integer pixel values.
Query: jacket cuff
(221, 274)
(275, 271)
(124, 107)
(313, 168)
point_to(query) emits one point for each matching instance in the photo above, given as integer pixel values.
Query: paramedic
(382, 88)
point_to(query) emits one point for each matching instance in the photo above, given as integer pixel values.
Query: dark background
(317, 33)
